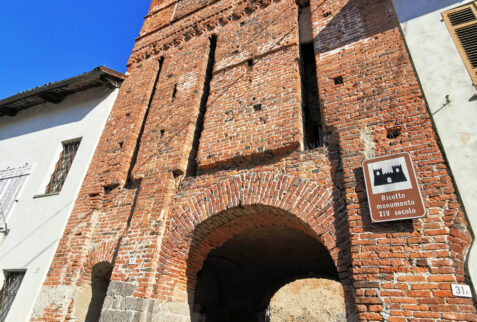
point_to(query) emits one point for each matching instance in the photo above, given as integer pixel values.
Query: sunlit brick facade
(221, 128)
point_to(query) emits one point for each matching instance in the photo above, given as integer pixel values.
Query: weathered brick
(177, 189)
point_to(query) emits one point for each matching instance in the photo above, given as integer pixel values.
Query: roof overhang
(56, 92)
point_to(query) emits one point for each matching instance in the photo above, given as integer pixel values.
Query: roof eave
(107, 76)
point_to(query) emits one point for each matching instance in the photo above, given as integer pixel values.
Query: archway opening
(238, 278)
(316, 299)
(92, 293)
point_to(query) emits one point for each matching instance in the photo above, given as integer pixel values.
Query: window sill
(46, 195)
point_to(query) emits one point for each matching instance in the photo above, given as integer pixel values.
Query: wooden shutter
(462, 24)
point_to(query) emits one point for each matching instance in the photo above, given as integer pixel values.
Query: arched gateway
(230, 246)
(231, 164)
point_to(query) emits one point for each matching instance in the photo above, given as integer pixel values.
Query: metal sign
(461, 290)
(392, 189)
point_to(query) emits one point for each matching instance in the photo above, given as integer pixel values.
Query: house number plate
(461, 290)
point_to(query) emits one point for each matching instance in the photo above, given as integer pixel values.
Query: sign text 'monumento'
(391, 185)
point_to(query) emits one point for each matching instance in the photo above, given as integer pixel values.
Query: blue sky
(47, 41)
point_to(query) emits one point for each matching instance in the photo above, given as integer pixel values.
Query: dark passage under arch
(239, 278)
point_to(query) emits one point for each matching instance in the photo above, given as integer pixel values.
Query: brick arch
(198, 223)
(101, 252)
(99, 255)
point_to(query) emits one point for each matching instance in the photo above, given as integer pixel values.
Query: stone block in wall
(119, 316)
(121, 288)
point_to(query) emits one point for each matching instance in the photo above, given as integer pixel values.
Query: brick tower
(231, 165)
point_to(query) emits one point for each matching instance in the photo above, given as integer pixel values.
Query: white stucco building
(47, 138)
(436, 33)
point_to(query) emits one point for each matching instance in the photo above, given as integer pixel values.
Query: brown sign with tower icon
(392, 188)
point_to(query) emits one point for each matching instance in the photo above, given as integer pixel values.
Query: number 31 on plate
(461, 290)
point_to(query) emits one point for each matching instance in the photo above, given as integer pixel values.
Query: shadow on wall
(100, 277)
(410, 9)
(34, 234)
(72, 109)
(353, 22)
(341, 223)
(91, 295)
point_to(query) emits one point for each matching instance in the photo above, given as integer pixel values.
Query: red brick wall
(251, 162)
